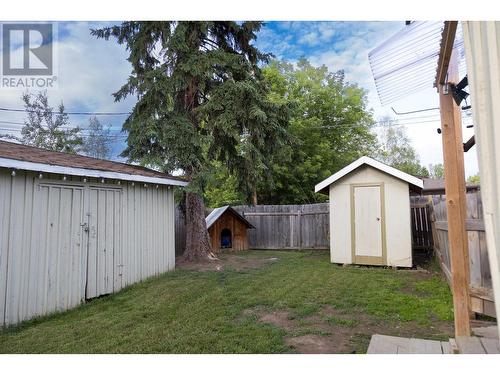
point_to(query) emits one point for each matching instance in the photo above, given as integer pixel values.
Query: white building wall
(397, 217)
(44, 270)
(482, 50)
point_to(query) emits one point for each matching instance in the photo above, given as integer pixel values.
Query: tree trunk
(197, 240)
(254, 196)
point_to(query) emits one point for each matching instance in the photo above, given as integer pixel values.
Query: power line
(69, 113)
(417, 111)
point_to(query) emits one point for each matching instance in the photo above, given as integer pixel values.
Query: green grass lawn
(190, 311)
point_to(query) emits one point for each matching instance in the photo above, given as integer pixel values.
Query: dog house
(227, 229)
(370, 214)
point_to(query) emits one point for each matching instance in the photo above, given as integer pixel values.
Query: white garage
(370, 214)
(74, 228)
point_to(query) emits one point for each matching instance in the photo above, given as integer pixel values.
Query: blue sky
(90, 70)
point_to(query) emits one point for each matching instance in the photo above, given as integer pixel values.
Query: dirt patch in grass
(332, 330)
(226, 261)
(282, 319)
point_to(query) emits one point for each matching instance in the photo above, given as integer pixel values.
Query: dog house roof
(217, 212)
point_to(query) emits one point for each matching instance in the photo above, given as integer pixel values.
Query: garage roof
(217, 212)
(365, 160)
(18, 156)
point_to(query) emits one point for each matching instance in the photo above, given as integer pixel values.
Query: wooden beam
(447, 40)
(454, 173)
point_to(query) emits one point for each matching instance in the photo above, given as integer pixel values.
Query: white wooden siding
(482, 50)
(396, 214)
(48, 260)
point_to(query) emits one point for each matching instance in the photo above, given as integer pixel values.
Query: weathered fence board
(288, 226)
(180, 232)
(421, 231)
(480, 275)
(304, 226)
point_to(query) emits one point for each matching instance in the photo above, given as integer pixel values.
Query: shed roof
(365, 160)
(437, 186)
(18, 156)
(217, 213)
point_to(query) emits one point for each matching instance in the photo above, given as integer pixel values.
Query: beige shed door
(104, 233)
(367, 225)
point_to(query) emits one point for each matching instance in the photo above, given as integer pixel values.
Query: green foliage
(474, 179)
(203, 311)
(48, 129)
(200, 99)
(436, 171)
(395, 149)
(98, 142)
(329, 128)
(222, 188)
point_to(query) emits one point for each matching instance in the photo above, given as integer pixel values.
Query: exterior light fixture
(13, 173)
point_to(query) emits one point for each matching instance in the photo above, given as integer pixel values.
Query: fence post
(299, 236)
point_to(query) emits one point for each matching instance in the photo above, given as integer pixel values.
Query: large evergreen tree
(200, 99)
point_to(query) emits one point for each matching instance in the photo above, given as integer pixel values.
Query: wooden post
(451, 126)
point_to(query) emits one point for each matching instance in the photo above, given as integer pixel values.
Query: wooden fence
(180, 232)
(480, 277)
(288, 226)
(304, 226)
(421, 228)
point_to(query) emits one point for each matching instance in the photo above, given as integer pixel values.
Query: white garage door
(104, 236)
(60, 261)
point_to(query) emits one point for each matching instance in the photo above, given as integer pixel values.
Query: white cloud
(351, 55)
(311, 39)
(89, 71)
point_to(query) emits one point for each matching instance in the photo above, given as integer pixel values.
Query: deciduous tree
(395, 149)
(47, 128)
(98, 142)
(329, 128)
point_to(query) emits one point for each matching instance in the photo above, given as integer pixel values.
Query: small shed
(74, 228)
(370, 214)
(227, 229)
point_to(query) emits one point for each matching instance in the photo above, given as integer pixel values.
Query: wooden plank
(419, 346)
(490, 332)
(454, 346)
(469, 345)
(446, 348)
(455, 196)
(483, 293)
(491, 346)
(382, 344)
(471, 225)
(447, 41)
